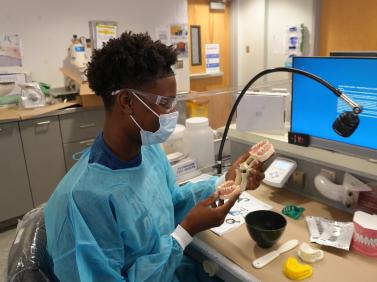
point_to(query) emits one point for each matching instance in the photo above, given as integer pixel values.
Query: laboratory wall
(262, 33)
(46, 27)
(250, 31)
(348, 25)
(280, 15)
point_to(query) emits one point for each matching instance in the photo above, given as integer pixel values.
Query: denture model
(365, 234)
(261, 152)
(227, 189)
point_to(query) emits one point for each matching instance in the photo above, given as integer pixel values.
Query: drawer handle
(87, 125)
(43, 122)
(87, 142)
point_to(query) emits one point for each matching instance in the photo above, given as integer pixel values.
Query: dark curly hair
(127, 62)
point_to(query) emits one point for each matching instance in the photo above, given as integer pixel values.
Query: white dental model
(309, 254)
(261, 152)
(227, 189)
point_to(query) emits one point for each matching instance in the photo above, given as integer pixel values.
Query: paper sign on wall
(102, 31)
(212, 58)
(163, 34)
(10, 50)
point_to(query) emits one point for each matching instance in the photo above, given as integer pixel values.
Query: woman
(118, 214)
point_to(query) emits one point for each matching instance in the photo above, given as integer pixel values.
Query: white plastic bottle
(174, 144)
(88, 49)
(198, 140)
(77, 53)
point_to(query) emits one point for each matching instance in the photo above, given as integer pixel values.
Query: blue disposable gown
(115, 225)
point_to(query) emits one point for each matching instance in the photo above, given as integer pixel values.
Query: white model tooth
(370, 242)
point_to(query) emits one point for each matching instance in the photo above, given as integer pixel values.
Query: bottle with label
(77, 53)
(88, 49)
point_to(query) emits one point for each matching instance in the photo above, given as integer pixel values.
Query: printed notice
(212, 58)
(10, 50)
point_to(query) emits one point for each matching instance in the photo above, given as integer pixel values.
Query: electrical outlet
(329, 173)
(298, 179)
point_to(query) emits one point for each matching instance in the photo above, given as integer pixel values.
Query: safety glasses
(167, 103)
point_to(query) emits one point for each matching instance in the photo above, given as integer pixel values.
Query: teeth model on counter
(365, 235)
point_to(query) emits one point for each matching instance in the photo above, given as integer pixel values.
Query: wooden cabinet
(15, 196)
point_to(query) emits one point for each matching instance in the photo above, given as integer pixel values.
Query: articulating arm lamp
(344, 125)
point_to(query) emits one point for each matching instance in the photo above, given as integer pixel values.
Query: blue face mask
(168, 123)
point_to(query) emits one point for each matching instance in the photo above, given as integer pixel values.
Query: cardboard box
(88, 98)
(261, 113)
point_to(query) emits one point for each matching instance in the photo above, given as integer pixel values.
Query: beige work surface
(337, 265)
(15, 113)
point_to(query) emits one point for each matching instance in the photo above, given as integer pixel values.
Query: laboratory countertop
(17, 114)
(337, 265)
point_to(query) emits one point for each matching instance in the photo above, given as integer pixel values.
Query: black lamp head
(346, 124)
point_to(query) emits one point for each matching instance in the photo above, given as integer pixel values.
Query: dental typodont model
(365, 235)
(260, 152)
(227, 189)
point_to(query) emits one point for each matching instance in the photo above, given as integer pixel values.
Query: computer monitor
(314, 107)
(353, 53)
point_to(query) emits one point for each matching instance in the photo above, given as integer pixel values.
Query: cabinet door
(44, 156)
(15, 197)
(81, 125)
(75, 148)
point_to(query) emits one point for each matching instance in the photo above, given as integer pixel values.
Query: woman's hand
(256, 174)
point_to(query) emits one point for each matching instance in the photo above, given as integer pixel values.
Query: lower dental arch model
(260, 152)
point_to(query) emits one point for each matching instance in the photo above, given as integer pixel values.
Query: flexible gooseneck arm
(355, 107)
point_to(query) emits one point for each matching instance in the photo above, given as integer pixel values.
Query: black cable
(336, 91)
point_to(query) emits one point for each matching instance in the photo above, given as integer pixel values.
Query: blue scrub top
(114, 223)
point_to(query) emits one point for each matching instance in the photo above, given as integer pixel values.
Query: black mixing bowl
(265, 227)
